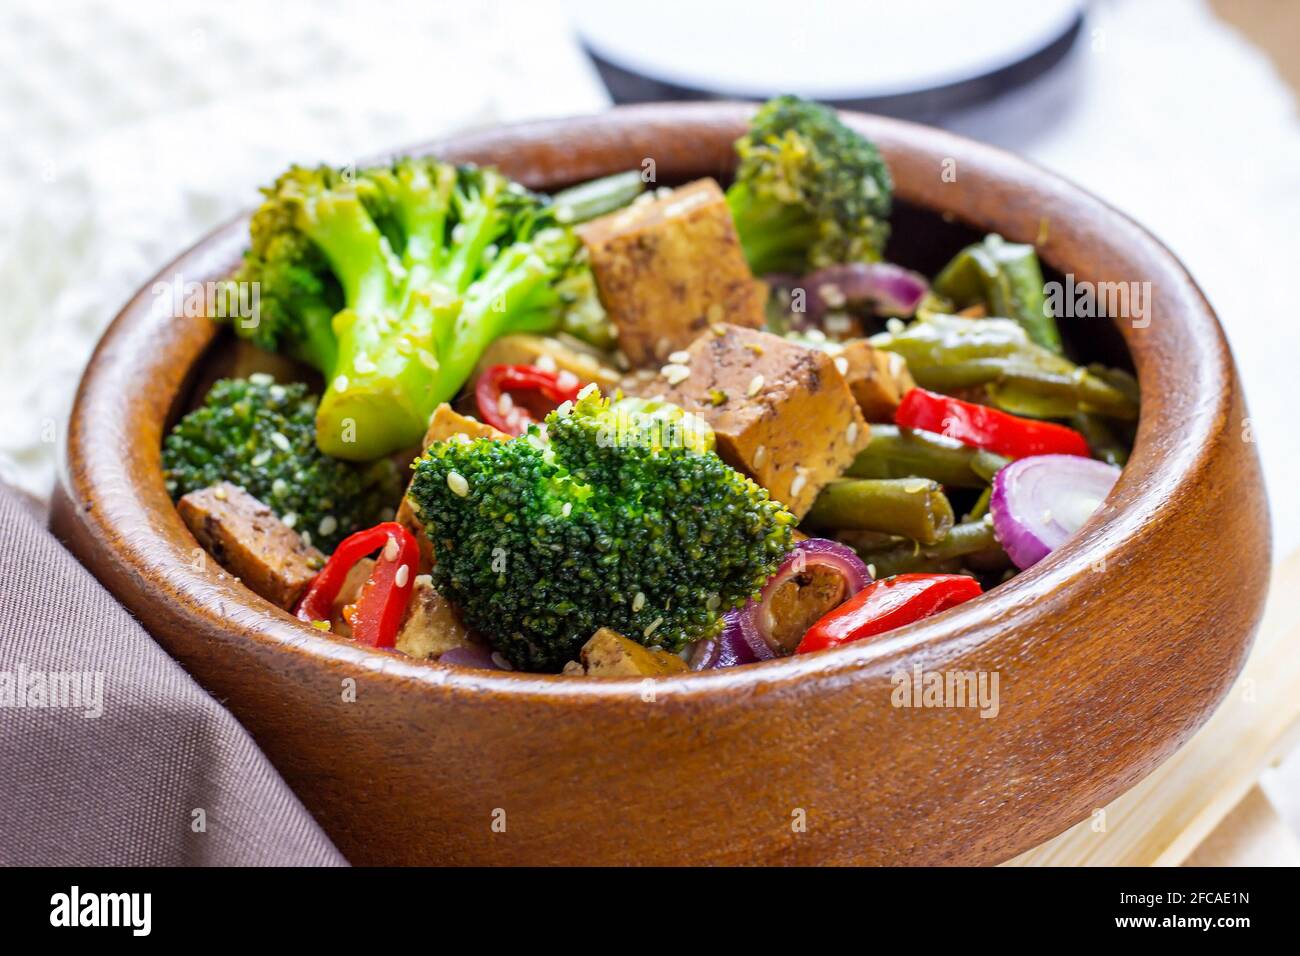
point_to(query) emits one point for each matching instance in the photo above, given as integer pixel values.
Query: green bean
(1101, 438)
(963, 540)
(911, 507)
(948, 352)
(986, 464)
(597, 197)
(981, 506)
(902, 453)
(1006, 279)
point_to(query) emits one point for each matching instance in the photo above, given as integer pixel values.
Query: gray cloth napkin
(110, 754)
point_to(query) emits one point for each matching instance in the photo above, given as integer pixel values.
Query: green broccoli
(809, 192)
(262, 437)
(625, 519)
(392, 281)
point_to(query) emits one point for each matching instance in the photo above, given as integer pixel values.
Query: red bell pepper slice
(533, 392)
(386, 593)
(886, 604)
(985, 427)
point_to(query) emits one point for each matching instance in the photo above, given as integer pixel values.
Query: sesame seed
(402, 576)
(279, 487)
(591, 388)
(842, 364)
(290, 519)
(505, 404)
(871, 570)
(832, 295)
(638, 602)
(755, 386)
(567, 509)
(545, 362)
(566, 380)
(851, 433)
(390, 549)
(457, 483)
(800, 479)
(428, 360)
(675, 373)
(279, 441)
(760, 456)
(341, 383)
(565, 408)
(261, 378)
(654, 626)
(423, 580)
(895, 326)
(328, 525)
(837, 322)
(681, 357)
(220, 494)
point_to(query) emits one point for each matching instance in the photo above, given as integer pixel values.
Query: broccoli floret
(262, 437)
(391, 281)
(623, 520)
(809, 192)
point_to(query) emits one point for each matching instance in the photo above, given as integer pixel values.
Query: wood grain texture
(1171, 813)
(1111, 652)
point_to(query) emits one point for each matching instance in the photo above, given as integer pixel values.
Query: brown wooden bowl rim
(1196, 420)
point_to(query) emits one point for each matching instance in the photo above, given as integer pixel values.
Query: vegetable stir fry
(640, 430)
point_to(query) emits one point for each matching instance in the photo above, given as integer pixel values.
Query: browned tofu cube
(877, 379)
(446, 423)
(668, 268)
(248, 540)
(432, 626)
(782, 412)
(610, 654)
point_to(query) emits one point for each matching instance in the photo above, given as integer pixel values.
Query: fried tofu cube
(248, 540)
(609, 654)
(446, 423)
(782, 412)
(877, 379)
(668, 268)
(432, 626)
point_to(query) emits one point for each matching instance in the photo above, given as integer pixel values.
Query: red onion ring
(1040, 501)
(726, 650)
(890, 289)
(755, 618)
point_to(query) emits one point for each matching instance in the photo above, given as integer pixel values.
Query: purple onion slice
(889, 289)
(726, 650)
(758, 622)
(1038, 502)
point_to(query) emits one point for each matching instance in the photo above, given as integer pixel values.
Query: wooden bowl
(1109, 653)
